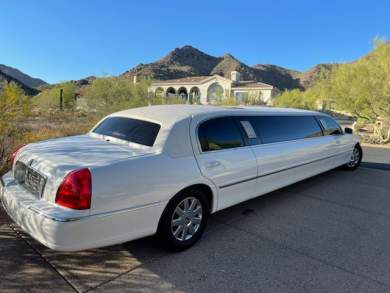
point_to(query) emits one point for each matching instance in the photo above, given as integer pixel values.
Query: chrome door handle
(212, 164)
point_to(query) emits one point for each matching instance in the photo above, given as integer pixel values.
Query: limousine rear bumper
(41, 220)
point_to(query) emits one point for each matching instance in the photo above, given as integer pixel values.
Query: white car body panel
(132, 184)
(56, 157)
(226, 167)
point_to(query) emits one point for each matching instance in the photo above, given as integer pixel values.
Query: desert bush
(14, 108)
(111, 94)
(253, 99)
(19, 125)
(49, 99)
(171, 100)
(296, 99)
(225, 101)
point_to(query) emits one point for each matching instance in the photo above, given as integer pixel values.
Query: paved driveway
(330, 233)
(376, 157)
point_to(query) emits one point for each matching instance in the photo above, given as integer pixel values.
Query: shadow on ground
(327, 233)
(374, 165)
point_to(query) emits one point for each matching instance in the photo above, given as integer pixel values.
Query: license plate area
(30, 178)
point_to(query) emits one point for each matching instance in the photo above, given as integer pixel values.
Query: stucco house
(212, 89)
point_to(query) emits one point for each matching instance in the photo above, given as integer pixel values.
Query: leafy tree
(361, 88)
(296, 99)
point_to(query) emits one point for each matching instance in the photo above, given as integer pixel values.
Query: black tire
(355, 162)
(165, 230)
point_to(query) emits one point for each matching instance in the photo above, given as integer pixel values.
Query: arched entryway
(159, 92)
(194, 95)
(214, 93)
(171, 92)
(182, 93)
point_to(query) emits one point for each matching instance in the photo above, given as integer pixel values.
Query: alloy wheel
(355, 158)
(186, 218)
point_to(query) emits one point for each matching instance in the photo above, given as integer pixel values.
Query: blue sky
(65, 39)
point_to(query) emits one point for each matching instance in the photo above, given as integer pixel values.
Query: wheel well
(205, 189)
(359, 147)
(361, 150)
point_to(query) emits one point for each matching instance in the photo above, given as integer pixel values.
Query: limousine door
(342, 148)
(291, 148)
(225, 160)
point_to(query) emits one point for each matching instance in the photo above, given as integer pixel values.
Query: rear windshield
(132, 130)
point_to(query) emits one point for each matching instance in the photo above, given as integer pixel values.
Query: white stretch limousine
(164, 169)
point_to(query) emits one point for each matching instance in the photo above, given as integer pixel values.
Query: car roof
(173, 138)
(169, 114)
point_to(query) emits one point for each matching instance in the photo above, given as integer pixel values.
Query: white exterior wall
(264, 95)
(225, 83)
(203, 87)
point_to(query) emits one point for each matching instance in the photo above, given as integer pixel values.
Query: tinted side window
(219, 133)
(132, 130)
(283, 128)
(330, 126)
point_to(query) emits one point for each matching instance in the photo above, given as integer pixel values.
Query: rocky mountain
(189, 61)
(184, 62)
(181, 62)
(308, 78)
(5, 78)
(27, 80)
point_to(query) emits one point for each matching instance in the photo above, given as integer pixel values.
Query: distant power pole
(61, 100)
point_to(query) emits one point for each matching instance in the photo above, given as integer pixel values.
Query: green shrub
(49, 99)
(14, 108)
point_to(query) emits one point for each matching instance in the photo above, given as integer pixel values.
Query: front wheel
(184, 220)
(355, 160)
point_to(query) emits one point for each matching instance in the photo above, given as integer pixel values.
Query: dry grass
(40, 127)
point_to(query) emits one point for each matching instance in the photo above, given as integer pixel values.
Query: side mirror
(348, 130)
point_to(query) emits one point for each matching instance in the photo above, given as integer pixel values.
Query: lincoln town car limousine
(164, 170)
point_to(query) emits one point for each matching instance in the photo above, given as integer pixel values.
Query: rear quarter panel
(142, 181)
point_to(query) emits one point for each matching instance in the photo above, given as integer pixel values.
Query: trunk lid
(55, 158)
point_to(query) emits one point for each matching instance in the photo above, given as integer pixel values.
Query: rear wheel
(184, 219)
(355, 159)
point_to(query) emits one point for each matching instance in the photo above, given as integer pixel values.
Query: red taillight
(76, 190)
(13, 155)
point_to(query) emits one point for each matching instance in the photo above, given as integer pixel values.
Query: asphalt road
(375, 157)
(330, 233)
